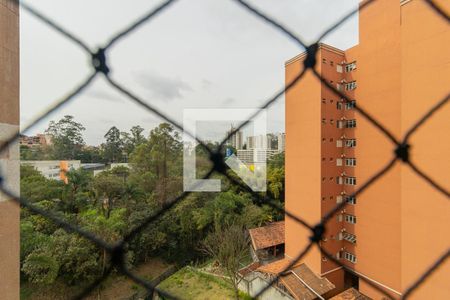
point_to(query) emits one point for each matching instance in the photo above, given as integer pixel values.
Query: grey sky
(196, 54)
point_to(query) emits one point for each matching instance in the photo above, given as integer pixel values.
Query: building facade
(35, 141)
(397, 72)
(281, 141)
(261, 142)
(53, 169)
(236, 140)
(9, 158)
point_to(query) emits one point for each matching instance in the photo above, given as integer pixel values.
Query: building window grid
(350, 180)
(350, 162)
(349, 237)
(350, 143)
(350, 219)
(350, 67)
(350, 105)
(350, 123)
(350, 257)
(350, 200)
(350, 85)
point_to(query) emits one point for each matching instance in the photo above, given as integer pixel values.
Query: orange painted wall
(425, 80)
(302, 161)
(378, 209)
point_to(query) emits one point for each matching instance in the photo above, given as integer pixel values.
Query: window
(350, 67)
(339, 162)
(350, 219)
(350, 104)
(350, 180)
(339, 86)
(338, 68)
(331, 63)
(323, 198)
(324, 60)
(350, 86)
(349, 237)
(331, 179)
(340, 124)
(323, 178)
(339, 218)
(331, 140)
(350, 162)
(331, 120)
(339, 199)
(339, 180)
(331, 101)
(350, 143)
(339, 143)
(323, 140)
(350, 123)
(331, 159)
(331, 197)
(324, 121)
(350, 257)
(350, 200)
(339, 105)
(324, 101)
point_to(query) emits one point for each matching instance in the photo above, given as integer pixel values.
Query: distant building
(37, 140)
(255, 156)
(261, 142)
(281, 141)
(236, 140)
(53, 169)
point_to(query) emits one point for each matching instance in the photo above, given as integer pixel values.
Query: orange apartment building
(392, 232)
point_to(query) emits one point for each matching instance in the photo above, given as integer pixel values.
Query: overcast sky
(196, 54)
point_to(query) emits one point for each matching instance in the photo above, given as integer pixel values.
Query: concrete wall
(253, 283)
(9, 159)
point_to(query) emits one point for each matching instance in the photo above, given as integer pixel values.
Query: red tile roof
(298, 280)
(304, 284)
(248, 269)
(275, 267)
(267, 236)
(350, 294)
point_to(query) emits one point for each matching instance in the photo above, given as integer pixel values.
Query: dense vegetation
(119, 199)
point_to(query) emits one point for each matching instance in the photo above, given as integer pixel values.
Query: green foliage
(35, 187)
(115, 201)
(41, 268)
(113, 146)
(67, 138)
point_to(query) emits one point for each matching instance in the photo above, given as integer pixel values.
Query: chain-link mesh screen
(117, 251)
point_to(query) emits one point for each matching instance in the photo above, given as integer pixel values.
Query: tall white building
(260, 142)
(236, 140)
(281, 141)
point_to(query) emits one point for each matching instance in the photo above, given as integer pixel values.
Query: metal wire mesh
(118, 250)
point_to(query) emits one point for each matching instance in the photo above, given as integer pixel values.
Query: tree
(229, 246)
(67, 137)
(113, 146)
(157, 163)
(35, 187)
(110, 188)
